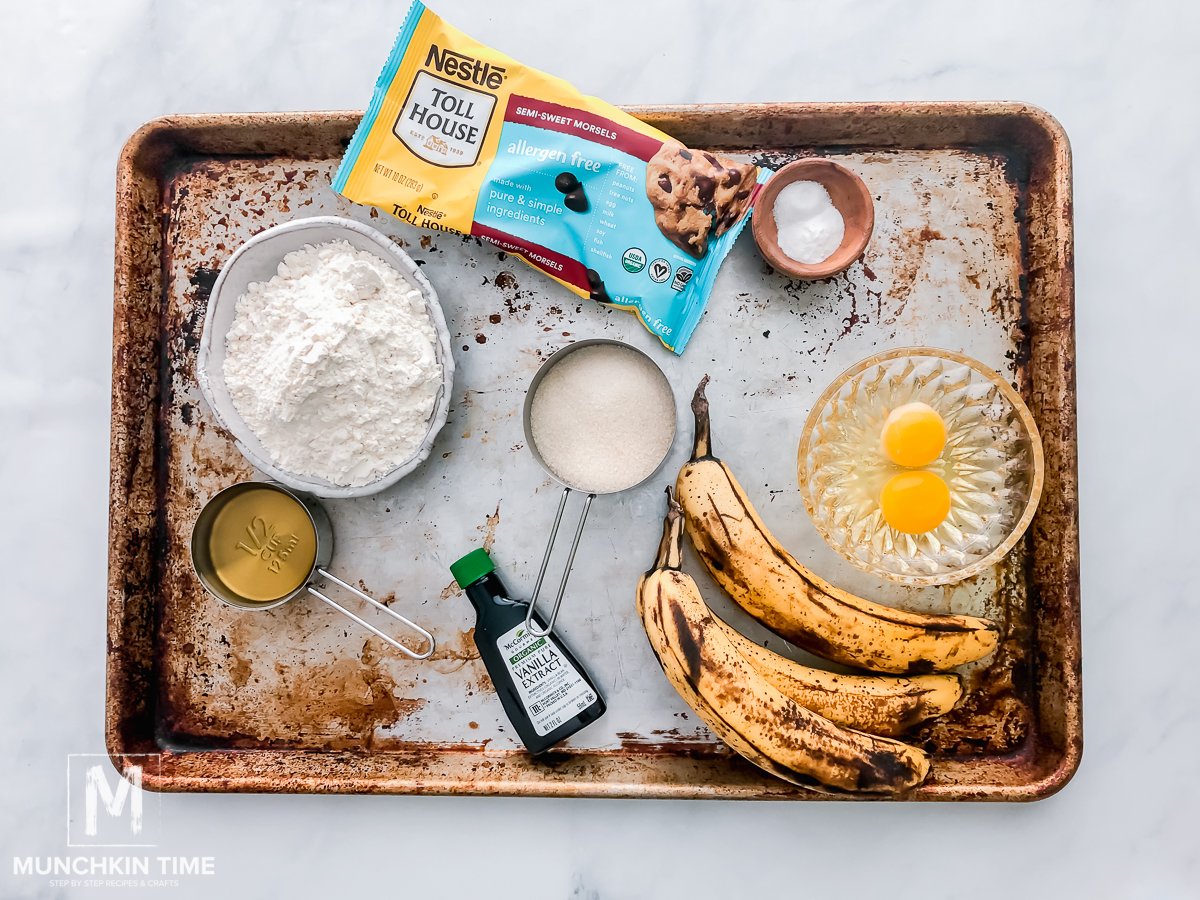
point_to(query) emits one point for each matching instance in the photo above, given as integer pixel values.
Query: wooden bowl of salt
(813, 219)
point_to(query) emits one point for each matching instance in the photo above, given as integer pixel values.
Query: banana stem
(702, 445)
(670, 548)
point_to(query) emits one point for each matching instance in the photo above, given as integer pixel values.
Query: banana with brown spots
(743, 708)
(879, 704)
(767, 581)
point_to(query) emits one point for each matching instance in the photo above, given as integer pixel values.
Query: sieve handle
(562, 586)
(367, 625)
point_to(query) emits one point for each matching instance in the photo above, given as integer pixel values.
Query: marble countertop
(80, 77)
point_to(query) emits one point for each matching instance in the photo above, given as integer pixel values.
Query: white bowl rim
(229, 419)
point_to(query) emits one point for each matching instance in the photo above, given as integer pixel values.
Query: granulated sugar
(603, 418)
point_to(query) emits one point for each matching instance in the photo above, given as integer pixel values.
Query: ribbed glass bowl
(992, 463)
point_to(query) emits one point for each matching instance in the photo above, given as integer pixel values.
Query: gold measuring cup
(591, 491)
(257, 545)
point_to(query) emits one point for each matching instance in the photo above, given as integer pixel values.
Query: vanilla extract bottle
(546, 693)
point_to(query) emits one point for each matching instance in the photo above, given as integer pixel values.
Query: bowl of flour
(325, 354)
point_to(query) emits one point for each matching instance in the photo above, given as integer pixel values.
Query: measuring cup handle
(367, 625)
(562, 586)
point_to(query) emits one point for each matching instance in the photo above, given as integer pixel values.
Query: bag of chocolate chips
(461, 138)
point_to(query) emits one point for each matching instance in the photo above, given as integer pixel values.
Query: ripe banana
(743, 708)
(878, 704)
(772, 586)
(651, 620)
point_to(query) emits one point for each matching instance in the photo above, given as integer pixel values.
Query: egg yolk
(913, 435)
(915, 502)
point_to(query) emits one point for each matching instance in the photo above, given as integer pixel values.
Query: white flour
(331, 364)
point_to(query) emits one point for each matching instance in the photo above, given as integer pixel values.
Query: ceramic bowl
(258, 260)
(849, 194)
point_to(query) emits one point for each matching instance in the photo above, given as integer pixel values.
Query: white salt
(603, 418)
(808, 225)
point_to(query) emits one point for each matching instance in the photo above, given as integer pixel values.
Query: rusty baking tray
(972, 251)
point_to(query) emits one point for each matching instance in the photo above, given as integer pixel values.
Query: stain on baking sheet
(339, 706)
(944, 239)
(995, 716)
(489, 529)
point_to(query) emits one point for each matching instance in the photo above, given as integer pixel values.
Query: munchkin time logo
(109, 809)
(106, 808)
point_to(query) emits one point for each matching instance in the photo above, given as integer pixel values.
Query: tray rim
(146, 141)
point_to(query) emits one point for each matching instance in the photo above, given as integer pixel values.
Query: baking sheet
(948, 266)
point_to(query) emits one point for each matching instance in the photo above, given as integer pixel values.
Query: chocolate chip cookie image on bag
(696, 194)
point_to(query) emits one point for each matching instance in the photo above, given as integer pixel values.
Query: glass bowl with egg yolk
(921, 465)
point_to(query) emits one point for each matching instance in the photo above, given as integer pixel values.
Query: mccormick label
(550, 688)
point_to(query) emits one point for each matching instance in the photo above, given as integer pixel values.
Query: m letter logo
(107, 808)
(114, 803)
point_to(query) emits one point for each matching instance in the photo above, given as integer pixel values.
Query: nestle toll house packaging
(464, 139)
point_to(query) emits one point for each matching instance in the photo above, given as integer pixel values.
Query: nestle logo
(465, 68)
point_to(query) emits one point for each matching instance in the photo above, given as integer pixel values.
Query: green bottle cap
(472, 567)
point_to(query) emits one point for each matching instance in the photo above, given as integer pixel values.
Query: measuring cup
(590, 491)
(272, 543)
